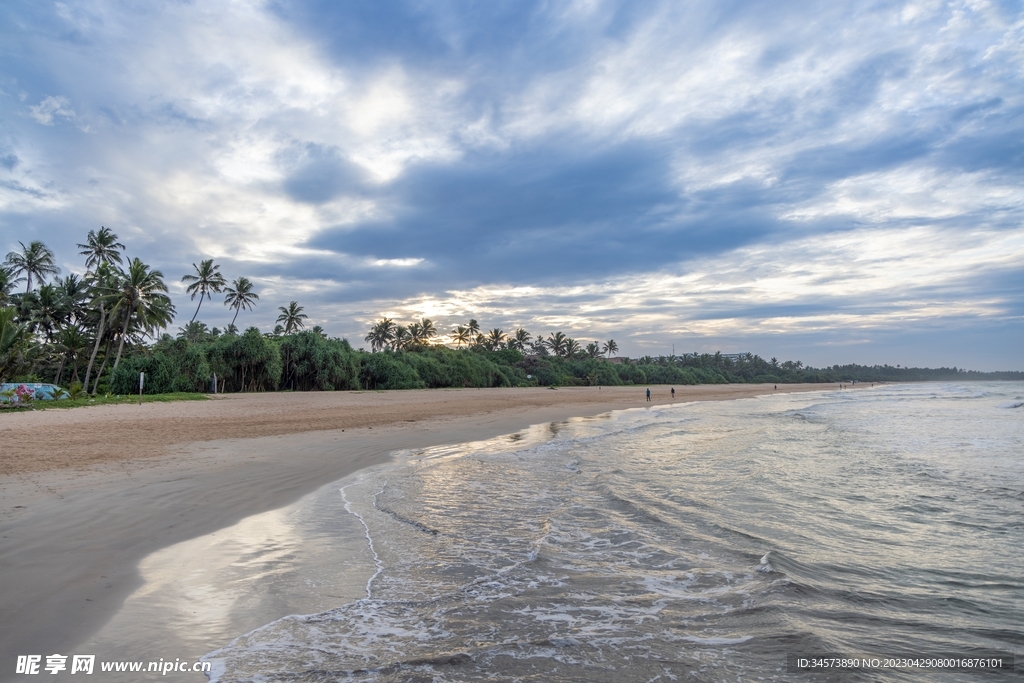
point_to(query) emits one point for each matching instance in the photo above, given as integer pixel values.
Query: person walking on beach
(673, 393)
(648, 393)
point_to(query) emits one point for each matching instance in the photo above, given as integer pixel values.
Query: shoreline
(72, 537)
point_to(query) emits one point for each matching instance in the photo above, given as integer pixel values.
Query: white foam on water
(369, 539)
(717, 641)
(627, 541)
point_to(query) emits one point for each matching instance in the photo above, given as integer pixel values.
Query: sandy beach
(86, 494)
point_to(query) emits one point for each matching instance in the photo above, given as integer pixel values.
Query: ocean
(714, 541)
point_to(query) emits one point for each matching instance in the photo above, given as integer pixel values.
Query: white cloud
(52, 106)
(865, 280)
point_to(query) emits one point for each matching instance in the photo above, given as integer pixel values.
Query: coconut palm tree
(72, 344)
(519, 340)
(75, 293)
(556, 343)
(461, 335)
(292, 317)
(610, 347)
(494, 339)
(6, 285)
(593, 350)
(427, 330)
(206, 282)
(14, 341)
(474, 327)
(101, 247)
(141, 299)
(102, 283)
(35, 260)
(401, 339)
(572, 347)
(195, 331)
(49, 311)
(240, 295)
(381, 334)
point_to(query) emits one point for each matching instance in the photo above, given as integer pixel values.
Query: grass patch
(102, 400)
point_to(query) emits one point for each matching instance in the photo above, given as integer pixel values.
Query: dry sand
(85, 494)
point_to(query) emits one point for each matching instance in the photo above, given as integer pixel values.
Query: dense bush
(246, 362)
(160, 370)
(384, 371)
(312, 363)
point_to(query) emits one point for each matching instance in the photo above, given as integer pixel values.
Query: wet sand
(86, 494)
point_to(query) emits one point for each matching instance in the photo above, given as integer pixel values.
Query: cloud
(639, 169)
(50, 107)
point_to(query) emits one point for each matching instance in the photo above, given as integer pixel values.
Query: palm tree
(415, 333)
(101, 283)
(593, 350)
(205, 282)
(519, 340)
(75, 293)
(14, 340)
(494, 339)
(35, 260)
(195, 331)
(401, 338)
(474, 327)
(556, 342)
(49, 311)
(610, 347)
(239, 296)
(292, 317)
(381, 334)
(72, 344)
(572, 347)
(6, 285)
(141, 298)
(461, 335)
(427, 330)
(101, 247)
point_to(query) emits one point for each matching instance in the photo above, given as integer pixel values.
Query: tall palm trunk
(103, 365)
(124, 333)
(96, 346)
(197, 308)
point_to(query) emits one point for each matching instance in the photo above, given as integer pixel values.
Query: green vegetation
(94, 334)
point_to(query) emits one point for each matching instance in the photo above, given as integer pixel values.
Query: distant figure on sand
(648, 394)
(673, 393)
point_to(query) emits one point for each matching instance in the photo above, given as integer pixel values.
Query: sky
(832, 182)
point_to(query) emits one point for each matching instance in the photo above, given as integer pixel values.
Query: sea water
(690, 542)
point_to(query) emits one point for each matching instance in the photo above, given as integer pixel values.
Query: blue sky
(831, 182)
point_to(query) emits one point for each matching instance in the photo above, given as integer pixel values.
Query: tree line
(77, 330)
(386, 334)
(95, 333)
